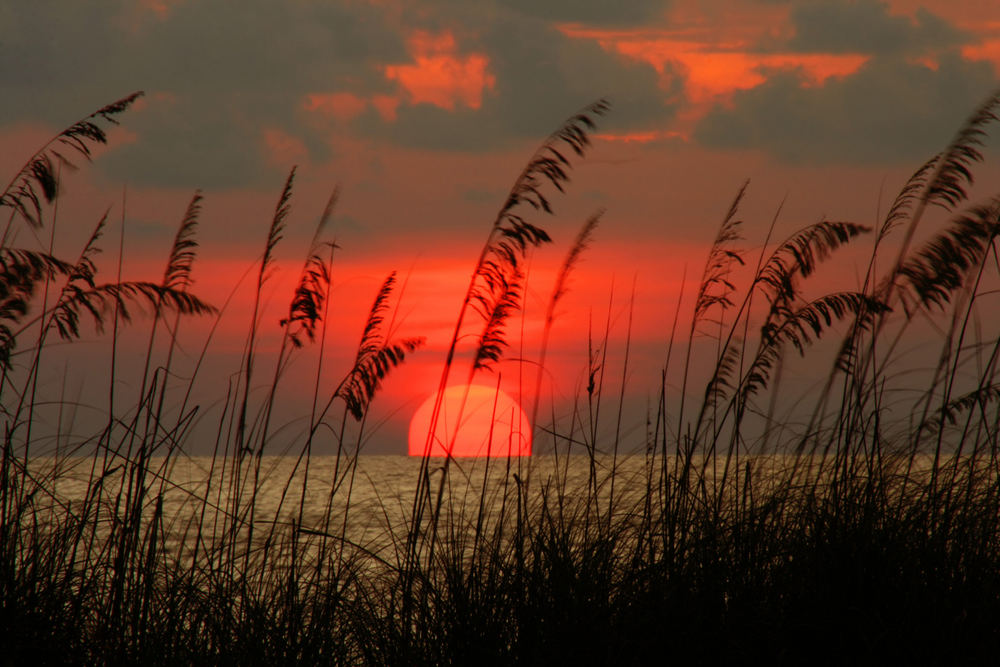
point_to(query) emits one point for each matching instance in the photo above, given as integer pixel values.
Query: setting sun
(491, 423)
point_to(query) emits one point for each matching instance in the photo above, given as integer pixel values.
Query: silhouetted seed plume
(898, 214)
(314, 284)
(788, 321)
(947, 188)
(36, 181)
(952, 174)
(510, 235)
(910, 195)
(846, 526)
(82, 294)
(549, 164)
(376, 356)
(495, 270)
(177, 275)
(274, 233)
(715, 290)
(78, 291)
(932, 275)
(719, 265)
(102, 298)
(722, 382)
(942, 181)
(581, 243)
(20, 273)
(948, 414)
(800, 255)
(307, 304)
(799, 326)
(504, 299)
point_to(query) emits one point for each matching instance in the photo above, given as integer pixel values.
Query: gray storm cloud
(893, 109)
(217, 75)
(887, 112)
(866, 26)
(593, 12)
(541, 77)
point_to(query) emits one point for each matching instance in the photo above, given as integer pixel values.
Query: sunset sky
(425, 112)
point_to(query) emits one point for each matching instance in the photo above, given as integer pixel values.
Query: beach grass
(729, 530)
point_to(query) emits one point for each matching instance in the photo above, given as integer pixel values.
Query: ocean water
(368, 504)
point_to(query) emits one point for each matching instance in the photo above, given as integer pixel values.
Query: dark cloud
(541, 78)
(228, 73)
(865, 26)
(592, 12)
(194, 141)
(219, 75)
(889, 111)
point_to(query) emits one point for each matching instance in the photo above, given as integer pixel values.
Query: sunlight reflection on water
(373, 500)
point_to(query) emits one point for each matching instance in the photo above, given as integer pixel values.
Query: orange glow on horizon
(492, 424)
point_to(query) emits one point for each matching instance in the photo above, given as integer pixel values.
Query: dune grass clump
(863, 530)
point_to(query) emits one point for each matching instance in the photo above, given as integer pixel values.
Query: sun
(492, 424)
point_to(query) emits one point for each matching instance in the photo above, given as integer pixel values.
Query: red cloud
(987, 50)
(716, 69)
(440, 76)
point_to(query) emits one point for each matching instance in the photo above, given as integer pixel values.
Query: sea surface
(368, 501)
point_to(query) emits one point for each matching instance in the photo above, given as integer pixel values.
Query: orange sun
(492, 424)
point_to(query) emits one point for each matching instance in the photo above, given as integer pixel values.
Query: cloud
(593, 12)
(538, 78)
(233, 93)
(440, 76)
(865, 26)
(889, 111)
(223, 74)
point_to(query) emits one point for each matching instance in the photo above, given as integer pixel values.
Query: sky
(425, 112)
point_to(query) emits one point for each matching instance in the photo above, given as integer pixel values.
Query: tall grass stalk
(864, 530)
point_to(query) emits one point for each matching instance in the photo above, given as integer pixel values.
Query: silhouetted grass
(853, 534)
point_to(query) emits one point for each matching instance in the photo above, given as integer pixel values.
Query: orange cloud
(987, 50)
(718, 70)
(639, 137)
(342, 106)
(720, 73)
(345, 106)
(386, 106)
(439, 76)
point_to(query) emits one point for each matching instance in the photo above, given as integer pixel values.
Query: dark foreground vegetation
(864, 533)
